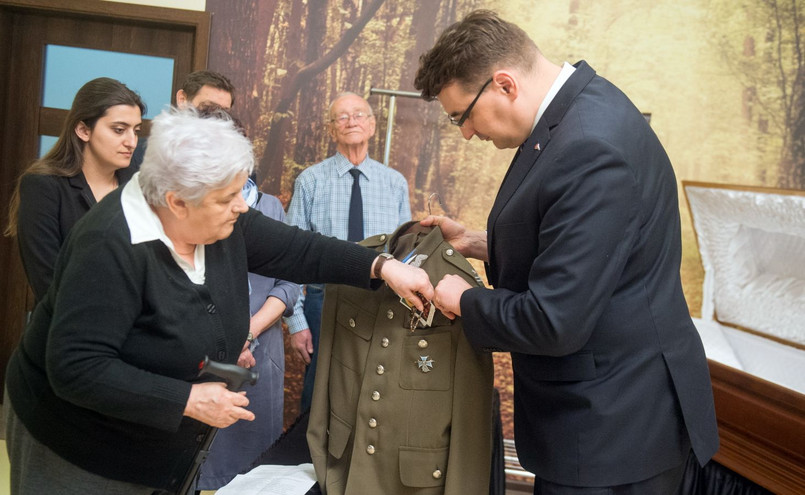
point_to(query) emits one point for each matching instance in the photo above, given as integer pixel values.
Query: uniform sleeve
(38, 230)
(319, 420)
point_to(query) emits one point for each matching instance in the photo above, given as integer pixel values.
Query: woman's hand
(408, 282)
(213, 404)
(246, 358)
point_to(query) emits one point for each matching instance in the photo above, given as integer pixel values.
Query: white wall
(174, 4)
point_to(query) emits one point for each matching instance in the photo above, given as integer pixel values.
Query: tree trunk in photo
(792, 168)
(238, 51)
(310, 118)
(425, 28)
(271, 163)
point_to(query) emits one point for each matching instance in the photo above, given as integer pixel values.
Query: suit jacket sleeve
(317, 438)
(584, 220)
(38, 230)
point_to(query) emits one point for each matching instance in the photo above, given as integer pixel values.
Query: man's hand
(470, 243)
(447, 295)
(302, 344)
(213, 404)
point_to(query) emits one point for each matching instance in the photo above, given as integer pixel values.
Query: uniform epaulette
(375, 241)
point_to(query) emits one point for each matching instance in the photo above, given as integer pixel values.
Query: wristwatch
(250, 338)
(381, 259)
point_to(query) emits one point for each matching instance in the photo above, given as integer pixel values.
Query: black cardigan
(104, 369)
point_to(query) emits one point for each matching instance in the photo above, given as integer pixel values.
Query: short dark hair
(196, 80)
(468, 51)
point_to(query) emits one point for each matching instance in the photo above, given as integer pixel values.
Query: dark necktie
(355, 226)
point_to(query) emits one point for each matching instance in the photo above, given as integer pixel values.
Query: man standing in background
(199, 88)
(348, 196)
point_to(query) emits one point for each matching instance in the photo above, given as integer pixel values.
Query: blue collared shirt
(320, 203)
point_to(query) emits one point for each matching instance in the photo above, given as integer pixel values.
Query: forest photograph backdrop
(722, 80)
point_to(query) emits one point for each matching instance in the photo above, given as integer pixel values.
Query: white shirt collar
(561, 79)
(144, 226)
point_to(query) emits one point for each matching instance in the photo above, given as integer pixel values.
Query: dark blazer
(49, 207)
(610, 377)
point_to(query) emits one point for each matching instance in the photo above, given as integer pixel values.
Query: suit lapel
(540, 138)
(81, 187)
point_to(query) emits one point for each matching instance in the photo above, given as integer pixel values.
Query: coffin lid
(752, 246)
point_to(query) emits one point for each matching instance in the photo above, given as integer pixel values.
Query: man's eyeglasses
(466, 114)
(359, 117)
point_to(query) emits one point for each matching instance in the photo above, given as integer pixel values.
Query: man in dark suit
(612, 389)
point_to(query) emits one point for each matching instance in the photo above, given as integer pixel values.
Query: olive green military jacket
(396, 411)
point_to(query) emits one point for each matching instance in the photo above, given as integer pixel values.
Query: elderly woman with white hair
(103, 388)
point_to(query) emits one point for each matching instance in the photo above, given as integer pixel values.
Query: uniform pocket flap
(337, 436)
(360, 322)
(422, 468)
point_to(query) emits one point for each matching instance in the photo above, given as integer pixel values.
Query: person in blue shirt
(321, 203)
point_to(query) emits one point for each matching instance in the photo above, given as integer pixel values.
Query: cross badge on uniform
(424, 364)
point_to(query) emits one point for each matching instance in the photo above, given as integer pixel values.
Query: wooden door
(27, 27)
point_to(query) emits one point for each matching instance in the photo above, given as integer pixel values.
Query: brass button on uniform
(375, 395)
(449, 252)
(422, 344)
(384, 342)
(383, 237)
(372, 423)
(380, 369)
(370, 449)
(352, 322)
(437, 474)
(390, 314)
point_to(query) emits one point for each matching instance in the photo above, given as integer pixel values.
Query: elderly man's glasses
(343, 118)
(466, 114)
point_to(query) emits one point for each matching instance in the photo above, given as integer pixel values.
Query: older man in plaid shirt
(323, 196)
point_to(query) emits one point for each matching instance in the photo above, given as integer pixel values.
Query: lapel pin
(537, 147)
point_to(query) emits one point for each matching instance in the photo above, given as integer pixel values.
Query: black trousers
(665, 483)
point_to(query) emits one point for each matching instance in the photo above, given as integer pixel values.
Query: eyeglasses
(466, 114)
(359, 117)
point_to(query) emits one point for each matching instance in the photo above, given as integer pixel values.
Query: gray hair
(192, 154)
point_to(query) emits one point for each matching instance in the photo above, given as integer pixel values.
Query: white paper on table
(272, 480)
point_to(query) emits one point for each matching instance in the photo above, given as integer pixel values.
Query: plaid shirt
(321, 203)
